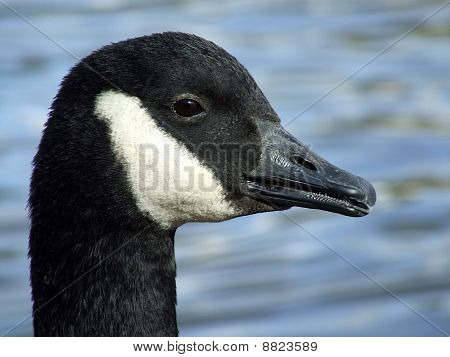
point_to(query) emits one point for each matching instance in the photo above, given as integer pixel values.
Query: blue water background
(386, 274)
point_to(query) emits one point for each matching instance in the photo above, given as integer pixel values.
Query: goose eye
(187, 107)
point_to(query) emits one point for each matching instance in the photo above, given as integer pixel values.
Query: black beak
(289, 174)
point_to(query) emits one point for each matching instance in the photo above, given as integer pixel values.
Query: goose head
(199, 141)
(145, 135)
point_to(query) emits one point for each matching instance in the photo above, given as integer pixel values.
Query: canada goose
(145, 135)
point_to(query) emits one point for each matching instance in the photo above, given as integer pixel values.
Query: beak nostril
(303, 162)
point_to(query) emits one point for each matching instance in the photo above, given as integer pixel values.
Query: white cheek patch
(168, 182)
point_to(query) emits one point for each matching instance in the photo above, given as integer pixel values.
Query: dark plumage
(99, 265)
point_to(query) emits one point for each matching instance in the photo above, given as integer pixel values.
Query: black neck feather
(103, 281)
(99, 267)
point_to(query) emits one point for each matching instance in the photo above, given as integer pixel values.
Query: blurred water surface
(265, 275)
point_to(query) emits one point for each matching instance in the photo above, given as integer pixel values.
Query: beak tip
(371, 195)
